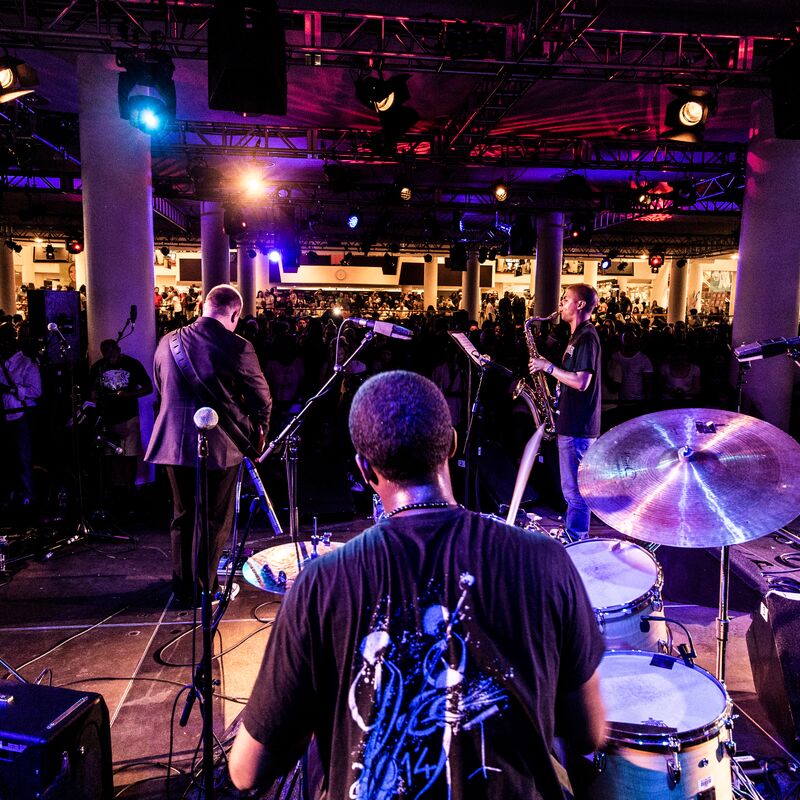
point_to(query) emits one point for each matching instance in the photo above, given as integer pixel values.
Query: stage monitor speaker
(247, 58)
(54, 743)
(63, 309)
(786, 94)
(773, 644)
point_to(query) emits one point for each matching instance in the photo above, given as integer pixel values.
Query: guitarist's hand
(262, 439)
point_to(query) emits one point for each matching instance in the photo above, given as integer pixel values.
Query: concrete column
(214, 246)
(590, 272)
(8, 289)
(768, 275)
(660, 288)
(549, 255)
(262, 272)
(117, 221)
(694, 289)
(430, 287)
(471, 286)
(678, 287)
(246, 279)
(622, 282)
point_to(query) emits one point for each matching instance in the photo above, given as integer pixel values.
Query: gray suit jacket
(228, 366)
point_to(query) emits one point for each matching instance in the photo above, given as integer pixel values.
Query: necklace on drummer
(415, 506)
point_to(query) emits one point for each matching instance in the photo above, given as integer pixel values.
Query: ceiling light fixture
(353, 218)
(500, 190)
(686, 115)
(386, 97)
(16, 79)
(145, 90)
(12, 245)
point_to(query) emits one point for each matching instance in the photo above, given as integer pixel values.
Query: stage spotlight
(605, 263)
(251, 252)
(500, 190)
(50, 252)
(274, 255)
(253, 183)
(684, 193)
(405, 191)
(233, 222)
(12, 245)
(283, 193)
(16, 79)
(687, 114)
(346, 259)
(581, 228)
(493, 255)
(353, 218)
(483, 254)
(681, 263)
(145, 90)
(428, 258)
(656, 261)
(165, 251)
(74, 245)
(386, 97)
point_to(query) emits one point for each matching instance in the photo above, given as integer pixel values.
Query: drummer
(422, 665)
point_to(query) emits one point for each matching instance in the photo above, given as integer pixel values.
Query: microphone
(205, 419)
(53, 328)
(134, 314)
(383, 328)
(266, 506)
(764, 348)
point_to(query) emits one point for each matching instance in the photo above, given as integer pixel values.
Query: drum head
(614, 572)
(657, 691)
(276, 568)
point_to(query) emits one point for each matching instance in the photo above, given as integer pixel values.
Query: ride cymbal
(693, 477)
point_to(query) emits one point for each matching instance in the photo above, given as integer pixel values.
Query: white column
(590, 272)
(8, 289)
(694, 290)
(246, 279)
(678, 287)
(660, 288)
(262, 272)
(117, 220)
(549, 255)
(214, 246)
(471, 286)
(768, 275)
(430, 288)
(622, 282)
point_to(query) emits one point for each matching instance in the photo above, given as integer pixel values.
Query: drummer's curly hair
(400, 422)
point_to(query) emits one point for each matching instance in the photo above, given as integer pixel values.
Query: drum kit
(693, 478)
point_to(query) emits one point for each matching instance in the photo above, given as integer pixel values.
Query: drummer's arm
(250, 764)
(584, 716)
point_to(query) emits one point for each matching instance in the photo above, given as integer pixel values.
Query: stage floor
(101, 618)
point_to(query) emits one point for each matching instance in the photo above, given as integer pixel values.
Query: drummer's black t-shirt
(427, 656)
(579, 412)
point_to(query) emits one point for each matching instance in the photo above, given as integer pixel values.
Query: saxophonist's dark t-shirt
(579, 412)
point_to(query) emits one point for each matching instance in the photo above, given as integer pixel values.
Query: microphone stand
(289, 440)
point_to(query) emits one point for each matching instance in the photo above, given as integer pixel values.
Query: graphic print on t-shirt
(115, 379)
(415, 693)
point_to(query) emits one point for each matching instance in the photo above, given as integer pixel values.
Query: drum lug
(730, 747)
(599, 761)
(658, 603)
(601, 620)
(673, 763)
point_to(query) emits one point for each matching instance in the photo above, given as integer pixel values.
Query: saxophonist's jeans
(571, 450)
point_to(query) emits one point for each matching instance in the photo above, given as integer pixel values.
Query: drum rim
(638, 603)
(688, 738)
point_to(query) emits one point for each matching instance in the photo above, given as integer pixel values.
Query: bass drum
(669, 731)
(624, 583)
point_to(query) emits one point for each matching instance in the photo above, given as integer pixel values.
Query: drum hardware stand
(288, 439)
(6, 666)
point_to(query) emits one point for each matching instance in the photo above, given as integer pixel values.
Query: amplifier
(54, 743)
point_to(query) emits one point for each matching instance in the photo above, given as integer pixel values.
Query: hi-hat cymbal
(693, 477)
(276, 568)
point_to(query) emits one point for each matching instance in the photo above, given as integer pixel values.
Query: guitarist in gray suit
(206, 364)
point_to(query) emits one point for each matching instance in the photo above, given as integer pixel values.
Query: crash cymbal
(693, 477)
(276, 568)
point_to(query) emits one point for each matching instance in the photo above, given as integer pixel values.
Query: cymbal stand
(723, 617)
(288, 441)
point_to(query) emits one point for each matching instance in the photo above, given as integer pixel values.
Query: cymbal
(276, 568)
(693, 477)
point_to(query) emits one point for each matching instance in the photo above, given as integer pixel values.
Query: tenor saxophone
(537, 394)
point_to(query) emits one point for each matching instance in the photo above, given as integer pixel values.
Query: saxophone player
(578, 421)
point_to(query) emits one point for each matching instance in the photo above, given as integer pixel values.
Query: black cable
(172, 738)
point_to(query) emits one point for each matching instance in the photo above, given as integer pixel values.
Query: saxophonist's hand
(538, 364)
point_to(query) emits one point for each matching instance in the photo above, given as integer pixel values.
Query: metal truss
(564, 38)
(631, 244)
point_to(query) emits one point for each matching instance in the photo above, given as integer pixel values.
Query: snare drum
(669, 730)
(624, 583)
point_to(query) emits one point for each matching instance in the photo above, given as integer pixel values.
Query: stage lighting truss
(146, 91)
(16, 79)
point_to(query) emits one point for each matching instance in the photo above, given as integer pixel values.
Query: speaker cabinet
(247, 58)
(54, 743)
(773, 644)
